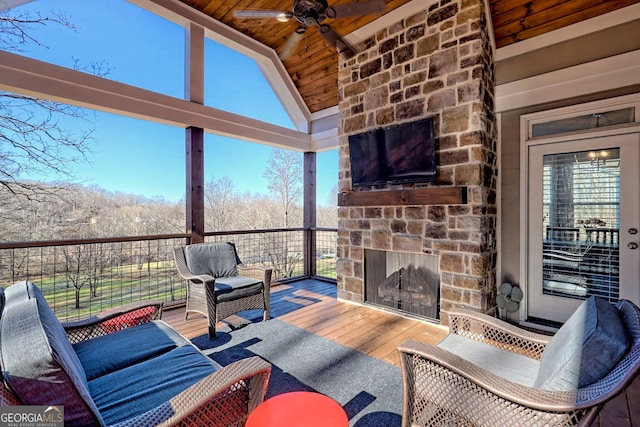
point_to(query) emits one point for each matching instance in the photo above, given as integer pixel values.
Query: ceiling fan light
(283, 17)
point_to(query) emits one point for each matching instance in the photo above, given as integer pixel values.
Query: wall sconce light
(596, 157)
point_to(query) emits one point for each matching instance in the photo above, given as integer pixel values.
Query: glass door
(583, 219)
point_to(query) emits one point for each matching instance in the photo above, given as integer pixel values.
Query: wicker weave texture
(442, 389)
(114, 319)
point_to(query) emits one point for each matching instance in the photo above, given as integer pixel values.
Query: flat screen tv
(403, 153)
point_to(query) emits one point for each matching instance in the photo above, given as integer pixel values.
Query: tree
(33, 140)
(220, 197)
(284, 176)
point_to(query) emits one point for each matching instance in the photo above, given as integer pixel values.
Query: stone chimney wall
(436, 63)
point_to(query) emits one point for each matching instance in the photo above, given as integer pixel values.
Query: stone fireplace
(436, 63)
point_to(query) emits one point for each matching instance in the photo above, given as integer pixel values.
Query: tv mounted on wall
(403, 153)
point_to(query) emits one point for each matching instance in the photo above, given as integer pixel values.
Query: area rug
(368, 389)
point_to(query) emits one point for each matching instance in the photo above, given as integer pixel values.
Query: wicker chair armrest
(490, 330)
(198, 278)
(224, 398)
(127, 315)
(434, 373)
(259, 272)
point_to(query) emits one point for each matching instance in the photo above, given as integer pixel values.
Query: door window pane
(581, 217)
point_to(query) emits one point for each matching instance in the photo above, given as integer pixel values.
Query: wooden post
(309, 213)
(194, 141)
(195, 183)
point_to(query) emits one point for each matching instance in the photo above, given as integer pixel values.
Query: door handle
(632, 245)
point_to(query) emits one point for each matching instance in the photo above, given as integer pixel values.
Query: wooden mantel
(418, 196)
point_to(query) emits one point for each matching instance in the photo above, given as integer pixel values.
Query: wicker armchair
(442, 388)
(219, 285)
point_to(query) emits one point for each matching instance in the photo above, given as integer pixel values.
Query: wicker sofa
(122, 367)
(488, 373)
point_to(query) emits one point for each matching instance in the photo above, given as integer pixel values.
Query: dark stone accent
(471, 61)
(396, 97)
(436, 231)
(364, 224)
(450, 44)
(410, 109)
(469, 92)
(415, 32)
(394, 86)
(370, 68)
(411, 92)
(387, 60)
(354, 77)
(357, 109)
(437, 213)
(370, 42)
(470, 38)
(403, 54)
(442, 14)
(398, 226)
(455, 210)
(356, 238)
(388, 45)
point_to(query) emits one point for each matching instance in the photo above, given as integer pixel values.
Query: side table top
(299, 409)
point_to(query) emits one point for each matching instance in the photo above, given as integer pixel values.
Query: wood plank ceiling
(313, 65)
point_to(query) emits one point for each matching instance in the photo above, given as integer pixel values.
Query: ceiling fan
(312, 13)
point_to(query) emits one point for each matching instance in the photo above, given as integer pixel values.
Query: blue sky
(142, 49)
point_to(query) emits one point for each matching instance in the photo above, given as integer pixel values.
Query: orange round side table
(298, 409)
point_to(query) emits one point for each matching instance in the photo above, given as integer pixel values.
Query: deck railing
(83, 277)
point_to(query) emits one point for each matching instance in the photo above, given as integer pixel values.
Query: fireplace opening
(401, 281)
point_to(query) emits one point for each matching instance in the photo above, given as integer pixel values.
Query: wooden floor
(312, 305)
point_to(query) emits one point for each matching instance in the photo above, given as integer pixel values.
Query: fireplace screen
(407, 282)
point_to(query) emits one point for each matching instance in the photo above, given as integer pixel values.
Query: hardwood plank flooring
(312, 305)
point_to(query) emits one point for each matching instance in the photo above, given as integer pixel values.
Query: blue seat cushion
(232, 288)
(129, 392)
(584, 349)
(108, 353)
(214, 259)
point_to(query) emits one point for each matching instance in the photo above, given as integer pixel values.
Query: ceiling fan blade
(292, 42)
(334, 39)
(277, 14)
(355, 9)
